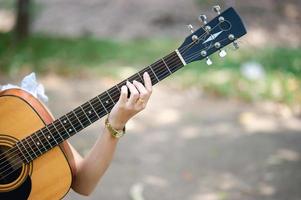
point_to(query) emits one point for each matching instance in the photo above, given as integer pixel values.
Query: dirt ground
(186, 145)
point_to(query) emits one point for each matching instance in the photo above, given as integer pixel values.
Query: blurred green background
(228, 131)
(43, 46)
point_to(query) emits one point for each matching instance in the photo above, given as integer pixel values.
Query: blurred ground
(186, 145)
(268, 22)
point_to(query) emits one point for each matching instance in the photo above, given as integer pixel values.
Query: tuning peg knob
(209, 61)
(203, 19)
(235, 44)
(217, 9)
(222, 53)
(190, 27)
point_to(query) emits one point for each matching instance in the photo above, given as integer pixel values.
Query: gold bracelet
(115, 133)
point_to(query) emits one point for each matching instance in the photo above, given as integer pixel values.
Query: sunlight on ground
(283, 155)
(190, 132)
(156, 181)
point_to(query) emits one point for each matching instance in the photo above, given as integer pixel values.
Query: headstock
(221, 31)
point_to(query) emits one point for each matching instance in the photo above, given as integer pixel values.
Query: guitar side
(48, 177)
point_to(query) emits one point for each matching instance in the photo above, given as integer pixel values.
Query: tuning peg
(203, 19)
(190, 27)
(217, 9)
(222, 53)
(208, 61)
(235, 44)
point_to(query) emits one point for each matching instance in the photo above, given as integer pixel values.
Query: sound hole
(10, 165)
(225, 26)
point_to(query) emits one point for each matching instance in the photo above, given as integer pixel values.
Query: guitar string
(160, 60)
(204, 34)
(72, 123)
(20, 162)
(113, 97)
(95, 113)
(159, 75)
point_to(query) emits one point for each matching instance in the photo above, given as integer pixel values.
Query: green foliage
(44, 54)
(71, 56)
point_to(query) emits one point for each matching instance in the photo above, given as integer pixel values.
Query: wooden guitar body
(47, 177)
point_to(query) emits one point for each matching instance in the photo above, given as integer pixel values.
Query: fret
(103, 105)
(50, 134)
(35, 144)
(78, 119)
(110, 97)
(30, 147)
(151, 74)
(82, 118)
(122, 83)
(49, 137)
(154, 73)
(174, 64)
(114, 94)
(166, 66)
(58, 132)
(118, 88)
(141, 79)
(50, 145)
(72, 119)
(160, 70)
(91, 113)
(94, 110)
(135, 77)
(64, 128)
(70, 123)
(67, 126)
(26, 148)
(85, 121)
(22, 152)
(107, 102)
(39, 143)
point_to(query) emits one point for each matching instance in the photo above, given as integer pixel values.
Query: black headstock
(221, 31)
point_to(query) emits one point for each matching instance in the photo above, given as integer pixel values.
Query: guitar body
(47, 177)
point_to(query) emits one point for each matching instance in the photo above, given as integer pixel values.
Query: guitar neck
(81, 117)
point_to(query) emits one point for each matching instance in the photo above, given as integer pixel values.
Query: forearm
(93, 166)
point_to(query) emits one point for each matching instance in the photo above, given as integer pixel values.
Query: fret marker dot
(48, 136)
(70, 130)
(65, 121)
(107, 101)
(38, 143)
(90, 112)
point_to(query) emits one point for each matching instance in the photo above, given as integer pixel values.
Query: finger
(123, 95)
(147, 81)
(134, 93)
(142, 90)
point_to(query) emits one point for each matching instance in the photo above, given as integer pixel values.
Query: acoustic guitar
(32, 163)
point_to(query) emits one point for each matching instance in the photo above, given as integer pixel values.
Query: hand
(126, 107)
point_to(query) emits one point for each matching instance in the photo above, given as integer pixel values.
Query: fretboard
(76, 120)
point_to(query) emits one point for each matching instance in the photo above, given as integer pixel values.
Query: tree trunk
(23, 19)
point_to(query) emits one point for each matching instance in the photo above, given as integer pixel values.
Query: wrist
(116, 133)
(115, 124)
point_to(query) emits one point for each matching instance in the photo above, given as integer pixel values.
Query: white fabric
(30, 84)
